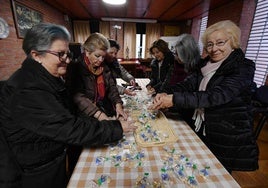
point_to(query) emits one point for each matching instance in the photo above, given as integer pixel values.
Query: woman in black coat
(220, 93)
(36, 123)
(162, 67)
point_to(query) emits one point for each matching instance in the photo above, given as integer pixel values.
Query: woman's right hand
(129, 92)
(159, 96)
(128, 126)
(162, 101)
(150, 90)
(132, 82)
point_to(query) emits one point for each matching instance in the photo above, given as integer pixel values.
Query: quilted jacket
(228, 113)
(37, 124)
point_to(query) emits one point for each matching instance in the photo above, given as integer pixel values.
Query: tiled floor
(259, 178)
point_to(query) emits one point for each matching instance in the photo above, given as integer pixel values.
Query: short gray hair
(188, 51)
(41, 36)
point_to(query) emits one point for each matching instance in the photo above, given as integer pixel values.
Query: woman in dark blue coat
(36, 123)
(220, 93)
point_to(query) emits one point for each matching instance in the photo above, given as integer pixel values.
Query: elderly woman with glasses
(36, 123)
(220, 93)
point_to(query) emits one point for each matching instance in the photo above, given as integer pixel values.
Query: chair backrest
(261, 95)
(2, 83)
(76, 49)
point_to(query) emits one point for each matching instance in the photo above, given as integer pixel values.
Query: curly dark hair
(113, 43)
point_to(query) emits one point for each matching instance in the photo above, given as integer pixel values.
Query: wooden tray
(162, 128)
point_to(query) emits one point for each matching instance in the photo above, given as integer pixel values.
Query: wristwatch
(4, 29)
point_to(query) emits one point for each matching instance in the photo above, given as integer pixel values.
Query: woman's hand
(162, 101)
(129, 92)
(158, 96)
(120, 111)
(150, 90)
(132, 82)
(128, 126)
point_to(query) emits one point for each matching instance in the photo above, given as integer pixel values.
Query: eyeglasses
(220, 43)
(62, 55)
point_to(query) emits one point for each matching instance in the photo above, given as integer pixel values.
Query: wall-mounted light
(117, 26)
(115, 2)
(128, 20)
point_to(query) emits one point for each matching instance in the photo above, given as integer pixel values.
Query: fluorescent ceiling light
(115, 2)
(128, 20)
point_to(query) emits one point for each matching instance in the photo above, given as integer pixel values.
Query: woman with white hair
(220, 93)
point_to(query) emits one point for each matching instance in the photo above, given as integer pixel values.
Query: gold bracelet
(99, 115)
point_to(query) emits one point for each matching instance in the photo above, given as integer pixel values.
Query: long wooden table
(88, 170)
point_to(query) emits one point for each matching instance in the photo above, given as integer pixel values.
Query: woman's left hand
(120, 111)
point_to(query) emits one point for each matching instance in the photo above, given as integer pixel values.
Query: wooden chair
(260, 107)
(145, 67)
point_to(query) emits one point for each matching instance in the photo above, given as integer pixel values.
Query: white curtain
(152, 34)
(129, 40)
(81, 31)
(105, 29)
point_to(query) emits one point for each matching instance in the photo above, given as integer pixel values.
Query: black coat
(37, 124)
(228, 114)
(160, 82)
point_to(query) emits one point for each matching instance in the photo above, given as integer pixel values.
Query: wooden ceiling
(161, 10)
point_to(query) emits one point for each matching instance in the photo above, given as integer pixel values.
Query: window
(140, 45)
(203, 27)
(140, 40)
(257, 49)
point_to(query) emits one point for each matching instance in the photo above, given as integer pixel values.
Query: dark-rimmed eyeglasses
(61, 55)
(219, 43)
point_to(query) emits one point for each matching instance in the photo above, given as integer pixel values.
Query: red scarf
(98, 72)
